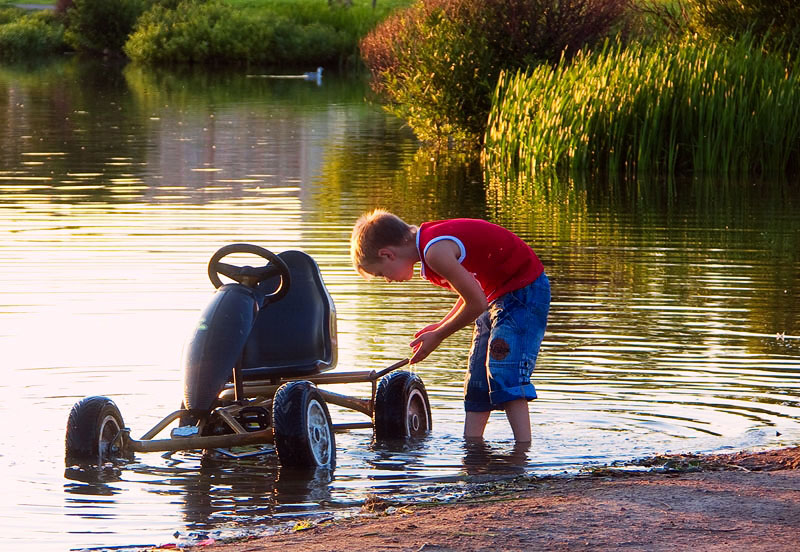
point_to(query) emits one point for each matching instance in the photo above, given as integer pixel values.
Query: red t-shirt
(498, 258)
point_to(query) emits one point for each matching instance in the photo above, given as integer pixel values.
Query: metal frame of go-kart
(262, 393)
(278, 404)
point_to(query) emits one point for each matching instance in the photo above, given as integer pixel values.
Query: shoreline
(745, 500)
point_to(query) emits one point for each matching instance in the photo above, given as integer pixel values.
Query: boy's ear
(387, 253)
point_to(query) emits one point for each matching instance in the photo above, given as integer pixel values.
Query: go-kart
(252, 372)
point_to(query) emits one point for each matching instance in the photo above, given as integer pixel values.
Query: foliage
(10, 13)
(194, 31)
(657, 19)
(308, 32)
(694, 107)
(62, 6)
(215, 32)
(33, 34)
(436, 63)
(777, 21)
(102, 25)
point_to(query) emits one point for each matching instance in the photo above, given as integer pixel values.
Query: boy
(501, 286)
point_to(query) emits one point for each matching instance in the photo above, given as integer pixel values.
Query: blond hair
(374, 230)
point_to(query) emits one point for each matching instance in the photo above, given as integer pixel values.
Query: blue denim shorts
(505, 344)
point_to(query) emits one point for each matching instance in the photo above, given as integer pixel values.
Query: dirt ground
(744, 502)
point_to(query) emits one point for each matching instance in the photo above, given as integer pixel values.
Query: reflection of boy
(501, 286)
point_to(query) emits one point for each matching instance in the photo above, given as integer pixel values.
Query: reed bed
(697, 107)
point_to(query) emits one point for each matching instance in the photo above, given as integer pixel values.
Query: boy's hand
(423, 345)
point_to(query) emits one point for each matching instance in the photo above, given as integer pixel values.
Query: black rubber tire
(402, 408)
(303, 430)
(94, 433)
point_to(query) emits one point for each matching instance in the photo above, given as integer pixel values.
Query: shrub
(436, 63)
(700, 107)
(659, 20)
(294, 43)
(10, 13)
(432, 71)
(192, 32)
(776, 20)
(215, 32)
(34, 35)
(62, 6)
(102, 25)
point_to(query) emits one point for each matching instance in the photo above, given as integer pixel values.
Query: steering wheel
(248, 275)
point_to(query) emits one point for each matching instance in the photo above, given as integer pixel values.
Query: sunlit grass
(697, 107)
(358, 17)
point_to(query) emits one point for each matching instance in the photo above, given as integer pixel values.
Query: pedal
(184, 431)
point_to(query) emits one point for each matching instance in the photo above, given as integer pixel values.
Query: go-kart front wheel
(302, 425)
(402, 409)
(95, 433)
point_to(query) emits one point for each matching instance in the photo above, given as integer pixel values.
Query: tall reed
(695, 107)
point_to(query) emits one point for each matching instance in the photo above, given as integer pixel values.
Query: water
(674, 324)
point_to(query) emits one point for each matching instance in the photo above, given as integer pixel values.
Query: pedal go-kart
(252, 374)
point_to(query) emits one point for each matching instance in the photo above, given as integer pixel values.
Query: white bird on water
(315, 76)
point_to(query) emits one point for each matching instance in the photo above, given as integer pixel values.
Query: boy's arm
(443, 258)
(453, 310)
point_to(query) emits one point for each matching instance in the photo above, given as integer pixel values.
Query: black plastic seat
(296, 336)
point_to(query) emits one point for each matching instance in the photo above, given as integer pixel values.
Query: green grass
(697, 107)
(43, 3)
(357, 19)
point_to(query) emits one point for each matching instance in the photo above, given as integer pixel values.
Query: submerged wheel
(303, 429)
(402, 409)
(95, 433)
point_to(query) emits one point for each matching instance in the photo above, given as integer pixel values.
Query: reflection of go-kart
(251, 375)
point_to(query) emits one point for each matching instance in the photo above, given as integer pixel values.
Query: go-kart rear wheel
(402, 409)
(303, 429)
(95, 433)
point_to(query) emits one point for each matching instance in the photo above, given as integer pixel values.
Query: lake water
(675, 322)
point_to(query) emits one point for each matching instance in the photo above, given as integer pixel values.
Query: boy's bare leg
(475, 423)
(520, 419)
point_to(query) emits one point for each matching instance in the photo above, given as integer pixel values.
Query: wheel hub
(318, 433)
(414, 422)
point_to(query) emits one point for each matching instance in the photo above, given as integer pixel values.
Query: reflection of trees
(256, 131)
(72, 110)
(668, 261)
(415, 183)
(189, 86)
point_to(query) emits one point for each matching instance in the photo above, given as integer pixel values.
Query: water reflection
(674, 326)
(482, 458)
(398, 459)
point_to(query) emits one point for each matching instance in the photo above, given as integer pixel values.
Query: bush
(436, 63)
(293, 43)
(776, 20)
(215, 32)
(191, 32)
(33, 35)
(102, 26)
(62, 6)
(653, 20)
(432, 70)
(10, 13)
